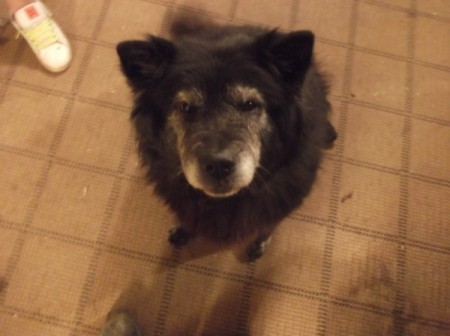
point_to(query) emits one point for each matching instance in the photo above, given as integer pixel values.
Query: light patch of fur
(242, 93)
(247, 166)
(191, 169)
(177, 128)
(192, 97)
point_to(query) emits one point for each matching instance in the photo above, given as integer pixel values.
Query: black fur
(210, 57)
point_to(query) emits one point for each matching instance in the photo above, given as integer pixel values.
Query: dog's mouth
(220, 192)
(220, 175)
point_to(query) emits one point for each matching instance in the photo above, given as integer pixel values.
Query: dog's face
(219, 139)
(218, 102)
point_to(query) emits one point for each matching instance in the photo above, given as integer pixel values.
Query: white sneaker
(44, 36)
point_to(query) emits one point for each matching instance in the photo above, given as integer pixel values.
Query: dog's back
(188, 26)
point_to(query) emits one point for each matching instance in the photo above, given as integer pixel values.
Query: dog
(231, 122)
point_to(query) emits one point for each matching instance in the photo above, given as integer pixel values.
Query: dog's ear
(145, 60)
(288, 55)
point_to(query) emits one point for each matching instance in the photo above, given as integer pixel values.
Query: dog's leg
(257, 248)
(120, 323)
(179, 237)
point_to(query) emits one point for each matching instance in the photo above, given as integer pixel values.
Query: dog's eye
(249, 105)
(184, 107)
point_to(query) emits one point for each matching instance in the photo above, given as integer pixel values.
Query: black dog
(231, 122)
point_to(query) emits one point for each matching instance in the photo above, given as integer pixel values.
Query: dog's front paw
(257, 249)
(254, 253)
(331, 135)
(179, 237)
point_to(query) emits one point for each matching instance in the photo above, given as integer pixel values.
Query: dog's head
(222, 101)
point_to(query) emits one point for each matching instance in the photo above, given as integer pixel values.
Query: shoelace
(42, 35)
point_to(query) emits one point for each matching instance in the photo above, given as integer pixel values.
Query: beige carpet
(367, 254)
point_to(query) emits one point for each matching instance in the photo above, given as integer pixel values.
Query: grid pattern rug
(367, 254)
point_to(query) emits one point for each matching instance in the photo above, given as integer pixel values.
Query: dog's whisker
(177, 174)
(265, 170)
(260, 182)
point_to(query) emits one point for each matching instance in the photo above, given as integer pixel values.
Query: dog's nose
(219, 168)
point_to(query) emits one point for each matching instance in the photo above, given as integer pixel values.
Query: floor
(367, 254)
